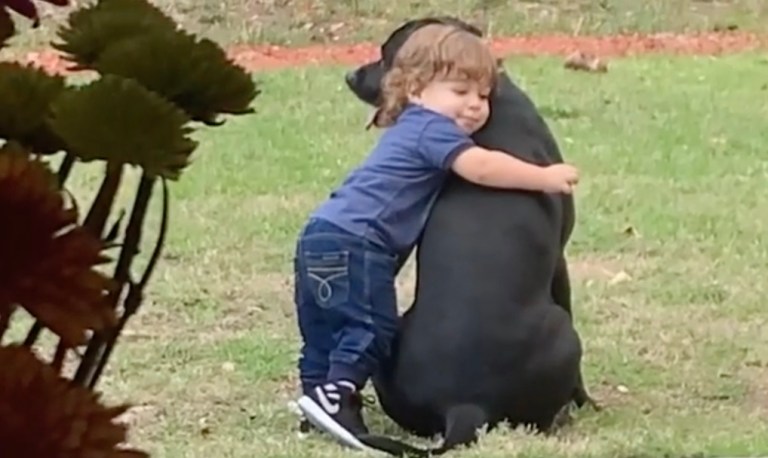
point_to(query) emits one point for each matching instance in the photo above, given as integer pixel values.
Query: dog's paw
(581, 399)
(596, 406)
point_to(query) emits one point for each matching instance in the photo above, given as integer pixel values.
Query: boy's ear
(413, 89)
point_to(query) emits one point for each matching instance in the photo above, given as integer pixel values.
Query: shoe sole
(317, 416)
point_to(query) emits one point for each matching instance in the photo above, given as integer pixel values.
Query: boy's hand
(560, 178)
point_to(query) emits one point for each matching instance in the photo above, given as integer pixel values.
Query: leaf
(117, 119)
(196, 75)
(91, 30)
(7, 28)
(26, 94)
(620, 277)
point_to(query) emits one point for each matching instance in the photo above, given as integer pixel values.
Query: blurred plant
(42, 414)
(152, 82)
(26, 8)
(48, 260)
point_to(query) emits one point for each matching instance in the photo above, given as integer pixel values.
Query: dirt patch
(264, 57)
(265, 298)
(141, 414)
(152, 322)
(756, 375)
(593, 268)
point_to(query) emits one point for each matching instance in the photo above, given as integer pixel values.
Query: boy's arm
(445, 146)
(499, 170)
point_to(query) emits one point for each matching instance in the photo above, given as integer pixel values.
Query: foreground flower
(147, 131)
(46, 260)
(44, 415)
(7, 28)
(27, 8)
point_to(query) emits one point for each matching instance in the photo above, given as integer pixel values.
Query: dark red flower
(27, 8)
(48, 260)
(42, 414)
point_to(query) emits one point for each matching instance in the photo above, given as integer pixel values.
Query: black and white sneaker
(337, 410)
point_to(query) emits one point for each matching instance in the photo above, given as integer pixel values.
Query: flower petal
(50, 269)
(24, 7)
(44, 414)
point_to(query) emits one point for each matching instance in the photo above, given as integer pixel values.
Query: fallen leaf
(619, 278)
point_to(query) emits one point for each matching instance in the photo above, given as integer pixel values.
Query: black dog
(489, 337)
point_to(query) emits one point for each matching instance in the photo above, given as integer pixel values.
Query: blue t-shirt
(387, 199)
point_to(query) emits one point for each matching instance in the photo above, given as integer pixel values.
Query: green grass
(323, 21)
(672, 201)
(298, 22)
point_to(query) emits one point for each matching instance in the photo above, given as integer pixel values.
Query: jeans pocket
(328, 277)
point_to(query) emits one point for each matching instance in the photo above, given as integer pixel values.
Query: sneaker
(336, 409)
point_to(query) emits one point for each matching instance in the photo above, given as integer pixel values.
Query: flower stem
(102, 204)
(94, 355)
(135, 294)
(58, 357)
(5, 321)
(65, 168)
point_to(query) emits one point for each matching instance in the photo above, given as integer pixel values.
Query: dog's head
(365, 81)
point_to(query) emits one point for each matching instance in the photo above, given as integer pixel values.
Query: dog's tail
(461, 425)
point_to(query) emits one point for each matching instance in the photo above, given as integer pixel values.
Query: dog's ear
(398, 36)
(474, 30)
(454, 21)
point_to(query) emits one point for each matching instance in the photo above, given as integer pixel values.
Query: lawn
(668, 264)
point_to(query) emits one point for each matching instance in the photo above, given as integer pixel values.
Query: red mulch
(262, 57)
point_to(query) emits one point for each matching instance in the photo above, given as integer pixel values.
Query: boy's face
(464, 101)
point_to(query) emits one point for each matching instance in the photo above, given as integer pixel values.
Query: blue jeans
(346, 304)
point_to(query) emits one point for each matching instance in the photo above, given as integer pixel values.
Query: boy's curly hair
(434, 52)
